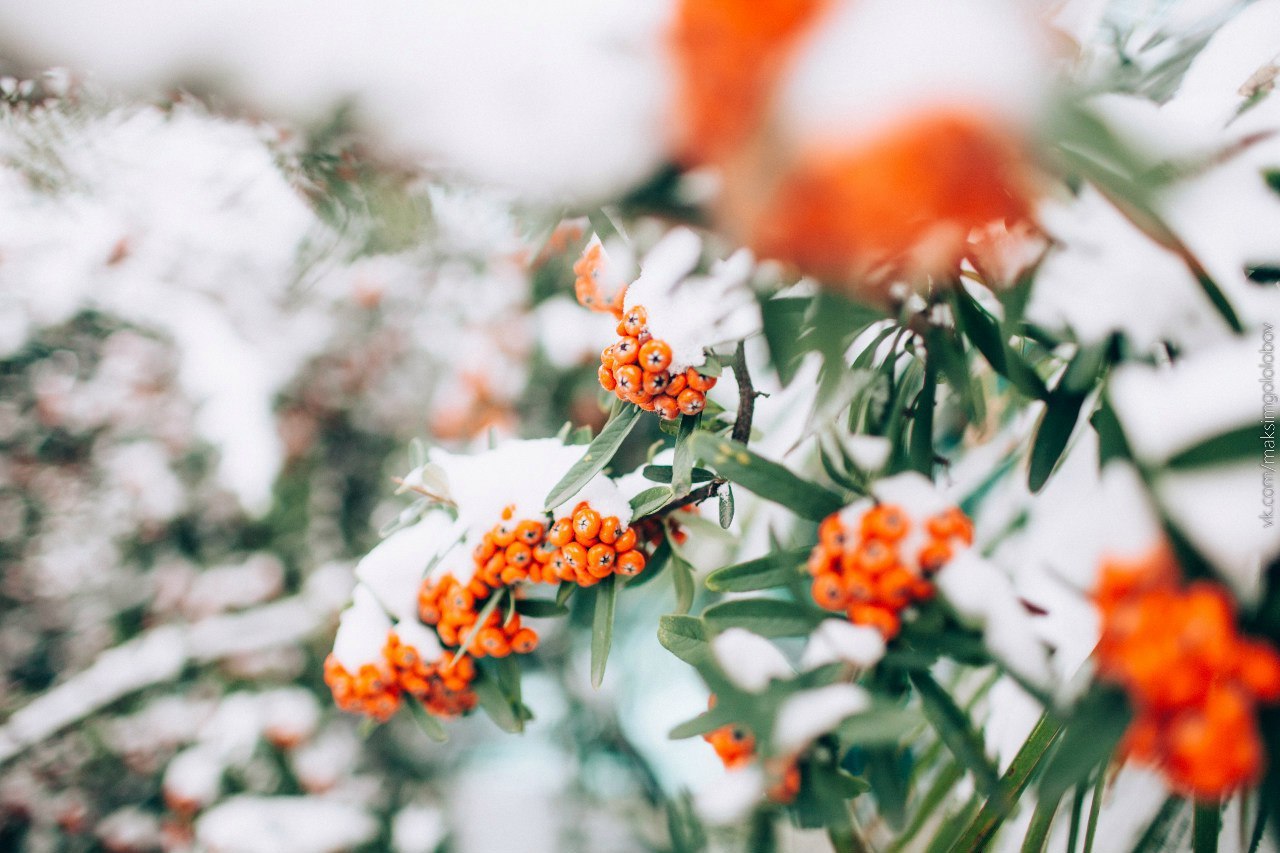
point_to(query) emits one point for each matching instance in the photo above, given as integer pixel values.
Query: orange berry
(529, 532)
(524, 642)
(677, 384)
(575, 556)
(586, 525)
(873, 556)
(513, 575)
(829, 592)
(504, 533)
(934, 555)
(655, 356)
(691, 401)
(610, 526)
(626, 540)
(630, 563)
(831, 533)
(881, 618)
(600, 560)
(561, 533)
(543, 550)
(860, 588)
(629, 379)
(698, 382)
(519, 555)
(634, 320)
(1258, 668)
(655, 383)
(885, 522)
(485, 549)
(893, 588)
(626, 351)
(605, 375)
(667, 407)
(492, 642)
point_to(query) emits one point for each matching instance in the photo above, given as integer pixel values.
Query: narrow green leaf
(771, 570)
(563, 592)
(650, 501)
(1095, 808)
(768, 617)
(990, 340)
(921, 452)
(598, 454)
(1014, 781)
(1038, 830)
(1090, 737)
(496, 705)
(945, 780)
(726, 506)
(1057, 422)
(662, 474)
(602, 628)
(429, 724)
(1155, 838)
(1235, 446)
(682, 577)
(890, 778)
(765, 478)
(682, 467)
(783, 322)
(686, 638)
(953, 726)
(1207, 824)
(708, 721)
(540, 608)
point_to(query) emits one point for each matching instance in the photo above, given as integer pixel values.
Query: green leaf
(1095, 808)
(650, 501)
(889, 772)
(1038, 830)
(563, 592)
(985, 333)
(771, 570)
(945, 780)
(540, 608)
(887, 724)
(726, 506)
(768, 617)
(783, 323)
(708, 721)
(481, 617)
(598, 454)
(1058, 421)
(429, 724)
(602, 628)
(662, 474)
(686, 638)
(921, 452)
(1089, 738)
(682, 577)
(682, 469)
(1207, 824)
(497, 705)
(1235, 446)
(768, 479)
(1014, 781)
(953, 726)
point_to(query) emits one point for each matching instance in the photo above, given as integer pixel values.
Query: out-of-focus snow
(809, 714)
(750, 661)
(559, 99)
(252, 824)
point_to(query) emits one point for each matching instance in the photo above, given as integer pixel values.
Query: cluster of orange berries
(453, 609)
(876, 570)
(1194, 682)
(636, 369)
(589, 548)
(372, 691)
(443, 686)
(736, 748)
(586, 284)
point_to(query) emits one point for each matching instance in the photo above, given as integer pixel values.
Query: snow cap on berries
(362, 632)
(423, 640)
(393, 570)
(810, 714)
(838, 641)
(749, 660)
(693, 313)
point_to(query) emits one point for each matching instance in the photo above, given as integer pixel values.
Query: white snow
(750, 661)
(394, 569)
(809, 714)
(836, 640)
(362, 632)
(260, 824)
